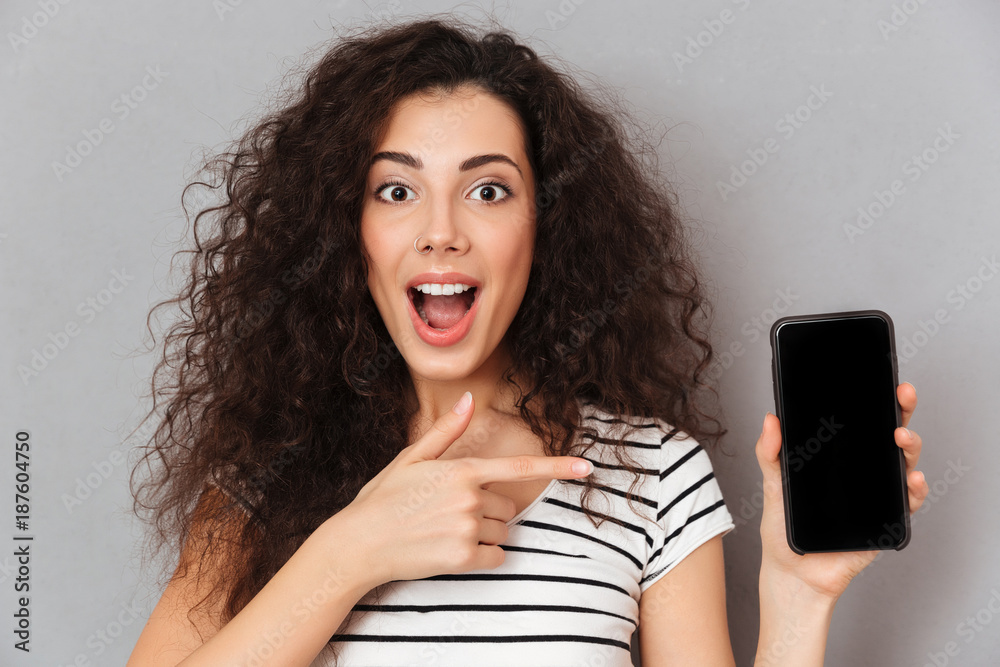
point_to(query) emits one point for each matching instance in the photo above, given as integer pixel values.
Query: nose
(441, 227)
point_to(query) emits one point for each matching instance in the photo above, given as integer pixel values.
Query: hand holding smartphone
(843, 476)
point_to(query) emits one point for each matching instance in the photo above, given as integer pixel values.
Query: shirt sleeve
(690, 508)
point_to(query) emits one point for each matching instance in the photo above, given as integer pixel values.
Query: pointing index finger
(530, 467)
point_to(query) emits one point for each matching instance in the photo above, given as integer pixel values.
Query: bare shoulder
(186, 615)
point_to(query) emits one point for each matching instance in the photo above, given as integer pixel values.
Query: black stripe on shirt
(548, 526)
(482, 639)
(622, 421)
(681, 461)
(614, 492)
(509, 547)
(683, 494)
(423, 608)
(523, 577)
(612, 466)
(624, 524)
(691, 519)
(614, 441)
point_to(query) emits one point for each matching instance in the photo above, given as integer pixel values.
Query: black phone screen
(844, 479)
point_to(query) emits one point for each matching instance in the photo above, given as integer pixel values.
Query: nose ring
(417, 249)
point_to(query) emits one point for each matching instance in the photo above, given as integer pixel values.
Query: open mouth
(442, 311)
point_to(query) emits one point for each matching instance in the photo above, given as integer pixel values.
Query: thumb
(768, 445)
(445, 430)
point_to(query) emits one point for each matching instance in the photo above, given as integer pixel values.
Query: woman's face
(453, 171)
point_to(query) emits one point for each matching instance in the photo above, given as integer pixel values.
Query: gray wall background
(893, 78)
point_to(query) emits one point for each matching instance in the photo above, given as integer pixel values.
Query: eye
(398, 190)
(491, 192)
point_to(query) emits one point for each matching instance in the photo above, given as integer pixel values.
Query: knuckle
(521, 465)
(463, 556)
(468, 527)
(465, 467)
(470, 501)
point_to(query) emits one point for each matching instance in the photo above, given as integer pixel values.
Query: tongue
(444, 311)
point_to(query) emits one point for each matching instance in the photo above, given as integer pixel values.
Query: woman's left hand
(826, 573)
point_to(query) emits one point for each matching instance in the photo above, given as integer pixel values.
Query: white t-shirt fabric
(567, 593)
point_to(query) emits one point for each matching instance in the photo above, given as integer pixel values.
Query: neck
(432, 398)
(496, 417)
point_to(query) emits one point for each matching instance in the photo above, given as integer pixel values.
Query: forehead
(437, 125)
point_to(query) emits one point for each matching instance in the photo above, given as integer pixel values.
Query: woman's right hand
(420, 517)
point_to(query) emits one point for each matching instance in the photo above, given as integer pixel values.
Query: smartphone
(843, 476)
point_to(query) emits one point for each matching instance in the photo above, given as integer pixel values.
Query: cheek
(515, 271)
(374, 245)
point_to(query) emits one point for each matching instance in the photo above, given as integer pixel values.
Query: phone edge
(778, 412)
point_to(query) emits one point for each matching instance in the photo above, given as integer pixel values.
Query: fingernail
(911, 384)
(463, 403)
(908, 434)
(583, 467)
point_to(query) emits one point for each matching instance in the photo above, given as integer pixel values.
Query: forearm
(294, 615)
(794, 622)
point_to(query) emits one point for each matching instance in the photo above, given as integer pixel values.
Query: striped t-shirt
(566, 593)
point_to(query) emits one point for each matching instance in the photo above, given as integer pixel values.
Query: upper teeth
(438, 288)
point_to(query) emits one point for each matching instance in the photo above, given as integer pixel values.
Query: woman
(439, 280)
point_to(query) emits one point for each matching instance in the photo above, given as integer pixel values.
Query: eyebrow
(466, 165)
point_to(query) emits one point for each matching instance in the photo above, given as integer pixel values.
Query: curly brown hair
(282, 385)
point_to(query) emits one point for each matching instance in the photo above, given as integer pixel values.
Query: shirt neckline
(534, 502)
(552, 483)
